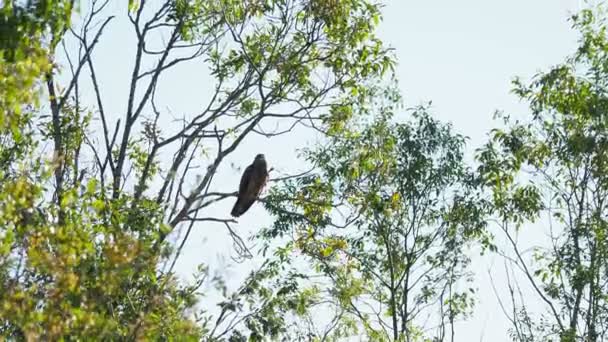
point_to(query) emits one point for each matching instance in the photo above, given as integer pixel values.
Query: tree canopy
(85, 223)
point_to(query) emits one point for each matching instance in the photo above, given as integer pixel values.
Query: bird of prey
(252, 182)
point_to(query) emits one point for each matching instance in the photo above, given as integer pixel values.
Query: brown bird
(252, 182)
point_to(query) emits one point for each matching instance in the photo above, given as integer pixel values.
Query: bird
(253, 180)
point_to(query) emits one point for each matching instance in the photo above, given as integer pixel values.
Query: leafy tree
(85, 226)
(552, 169)
(384, 223)
(26, 30)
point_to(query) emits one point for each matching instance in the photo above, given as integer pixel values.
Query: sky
(460, 54)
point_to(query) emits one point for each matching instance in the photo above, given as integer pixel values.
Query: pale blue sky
(461, 55)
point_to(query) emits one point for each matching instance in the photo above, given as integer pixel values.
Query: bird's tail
(237, 210)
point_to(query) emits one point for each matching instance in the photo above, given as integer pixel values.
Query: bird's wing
(254, 188)
(245, 180)
(262, 185)
(252, 182)
(258, 180)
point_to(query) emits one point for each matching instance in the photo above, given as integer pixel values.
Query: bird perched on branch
(253, 181)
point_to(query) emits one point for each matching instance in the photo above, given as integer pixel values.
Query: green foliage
(76, 278)
(295, 47)
(24, 56)
(80, 255)
(555, 165)
(387, 220)
(90, 273)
